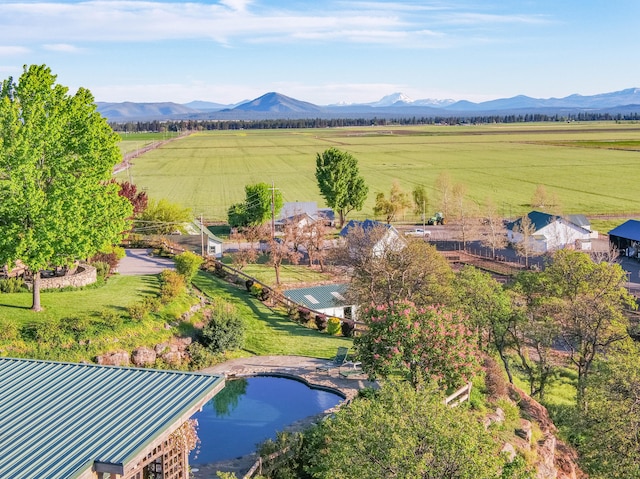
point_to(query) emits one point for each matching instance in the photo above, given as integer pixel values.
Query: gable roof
(290, 209)
(539, 220)
(59, 419)
(319, 297)
(366, 225)
(629, 230)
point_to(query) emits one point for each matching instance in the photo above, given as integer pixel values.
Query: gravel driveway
(139, 262)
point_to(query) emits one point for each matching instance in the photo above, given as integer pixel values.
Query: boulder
(143, 356)
(524, 431)
(119, 358)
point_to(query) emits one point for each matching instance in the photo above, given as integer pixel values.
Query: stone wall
(84, 275)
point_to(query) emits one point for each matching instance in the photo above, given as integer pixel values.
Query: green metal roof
(319, 297)
(58, 419)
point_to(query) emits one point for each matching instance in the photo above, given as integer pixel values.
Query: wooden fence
(461, 395)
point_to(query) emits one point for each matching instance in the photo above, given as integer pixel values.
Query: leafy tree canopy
(418, 343)
(56, 157)
(340, 182)
(257, 207)
(401, 433)
(163, 217)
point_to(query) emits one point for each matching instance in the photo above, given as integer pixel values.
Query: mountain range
(278, 106)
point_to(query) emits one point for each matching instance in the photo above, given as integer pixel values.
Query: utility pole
(273, 210)
(201, 236)
(424, 217)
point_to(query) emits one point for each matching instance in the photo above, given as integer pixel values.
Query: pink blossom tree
(418, 343)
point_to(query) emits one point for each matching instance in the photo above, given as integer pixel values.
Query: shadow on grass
(280, 325)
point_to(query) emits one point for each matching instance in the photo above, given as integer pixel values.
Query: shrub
(154, 304)
(138, 311)
(256, 290)
(111, 318)
(188, 264)
(304, 315)
(494, 380)
(102, 268)
(321, 322)
(333, 325)
(348, 328)
(172, 286)
(200, 356)
(225, 330)
(12, 285)
(9, 330)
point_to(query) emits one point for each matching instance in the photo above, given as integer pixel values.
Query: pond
(250, 410)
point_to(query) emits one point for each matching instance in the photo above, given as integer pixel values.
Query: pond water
(250, 410)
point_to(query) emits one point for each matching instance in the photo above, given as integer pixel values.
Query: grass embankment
(270, 332)
(78, 325)
(585, 166)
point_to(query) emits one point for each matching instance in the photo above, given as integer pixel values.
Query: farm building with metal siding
(626, 237)
(82, 421)
(551, 232)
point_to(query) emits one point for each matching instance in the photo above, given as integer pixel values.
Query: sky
(325, 52)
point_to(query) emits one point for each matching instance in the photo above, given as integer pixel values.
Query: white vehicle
(418, 232)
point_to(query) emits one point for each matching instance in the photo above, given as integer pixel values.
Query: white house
(390, 240)
(310, 208)
(551, 233)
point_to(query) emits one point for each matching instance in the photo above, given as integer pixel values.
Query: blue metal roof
(319, 297)
(628, 230)
(366, 225)
(58, 419)
(539, 220)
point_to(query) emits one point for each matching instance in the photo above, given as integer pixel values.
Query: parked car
(419, 232)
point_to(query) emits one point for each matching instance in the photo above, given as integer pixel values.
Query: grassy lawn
(78, 325)
(582, 164)
(270, 332)
(291, 275)
(116, 294)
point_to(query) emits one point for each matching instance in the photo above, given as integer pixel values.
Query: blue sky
(326, 51)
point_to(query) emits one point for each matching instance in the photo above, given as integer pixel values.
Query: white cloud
(62, 47)
(231, 21)
(9, 50)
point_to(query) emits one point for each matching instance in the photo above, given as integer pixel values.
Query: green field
(589, 167)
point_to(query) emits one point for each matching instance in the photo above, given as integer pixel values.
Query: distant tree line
(185, 125)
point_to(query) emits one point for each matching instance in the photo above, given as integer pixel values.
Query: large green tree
(401, 433)
(262, 202)
(611, 424)
(592, 313)
(57, 153)
(340, 182)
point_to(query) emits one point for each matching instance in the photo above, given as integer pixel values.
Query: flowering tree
(429, 343)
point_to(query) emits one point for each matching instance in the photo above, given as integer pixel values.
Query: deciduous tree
(418, 343)
(57, 153)
(412, 271)
(592, 317)
(340, 182)
(163, 217)
(401, 433)
(394, 206)
(261, 202)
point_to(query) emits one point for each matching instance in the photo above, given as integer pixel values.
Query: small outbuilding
(327, 299)
(199, 239)
(84, 421)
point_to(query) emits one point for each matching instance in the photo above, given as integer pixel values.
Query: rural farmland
(589, 167)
